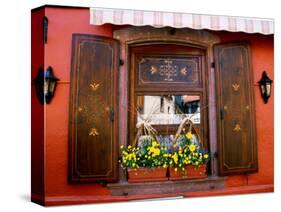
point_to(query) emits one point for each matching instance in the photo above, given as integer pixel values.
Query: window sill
(126, 189)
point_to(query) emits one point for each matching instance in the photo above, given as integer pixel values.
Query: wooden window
(236, 111)
(93, 110)
(167, 82)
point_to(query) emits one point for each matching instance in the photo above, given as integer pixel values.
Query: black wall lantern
(45, 84)
(265, 87)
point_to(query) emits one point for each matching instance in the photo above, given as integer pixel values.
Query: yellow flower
(189, 135)
(156, 152)
(175, 158)
(206, 156)
(122, 146)
(176, 169)
(129, 147)
(164, 166)
(192, 147)
(154, 143)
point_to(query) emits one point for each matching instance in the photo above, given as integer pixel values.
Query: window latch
(214, 155)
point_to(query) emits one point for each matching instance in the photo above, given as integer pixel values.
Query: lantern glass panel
(268, 88)
(46, 86)
(52, 85)
(262, 89)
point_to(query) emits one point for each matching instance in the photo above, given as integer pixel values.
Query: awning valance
(99, 16)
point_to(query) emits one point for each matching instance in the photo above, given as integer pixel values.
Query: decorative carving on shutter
(235, 104)
(93, 109)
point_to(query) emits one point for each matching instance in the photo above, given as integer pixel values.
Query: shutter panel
(93, 109)
(236, 112)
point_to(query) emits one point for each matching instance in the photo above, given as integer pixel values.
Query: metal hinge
(222, 114)
(121, 62)
(111, 115)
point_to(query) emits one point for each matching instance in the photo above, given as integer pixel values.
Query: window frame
(177, 89)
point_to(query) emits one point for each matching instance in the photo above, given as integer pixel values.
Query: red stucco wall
(62, 23)
(37, 114)
(65, 21)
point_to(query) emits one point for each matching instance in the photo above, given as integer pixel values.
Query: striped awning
(99, 16)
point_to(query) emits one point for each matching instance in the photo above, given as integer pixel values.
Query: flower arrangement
(129, 157)
(187, 153)
(149, 155)
(148, 162)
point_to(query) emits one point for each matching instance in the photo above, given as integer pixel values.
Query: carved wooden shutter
(93, 109)
(236, 111)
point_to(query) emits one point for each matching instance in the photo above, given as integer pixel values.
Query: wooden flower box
(147, 174)
(190, 172)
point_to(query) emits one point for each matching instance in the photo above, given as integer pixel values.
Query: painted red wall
(65, 21)
(37, 109)
(62, 23)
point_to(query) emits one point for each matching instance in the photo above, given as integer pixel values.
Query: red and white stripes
(99, 16)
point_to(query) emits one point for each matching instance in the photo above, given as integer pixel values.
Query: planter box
(147, 174)
(191, 172)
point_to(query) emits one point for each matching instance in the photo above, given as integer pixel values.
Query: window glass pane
(168, 109)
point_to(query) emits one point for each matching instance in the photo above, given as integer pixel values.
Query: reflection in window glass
(169, 109)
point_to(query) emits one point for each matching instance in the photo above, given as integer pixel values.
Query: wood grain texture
(236, 115)
(93, 109)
